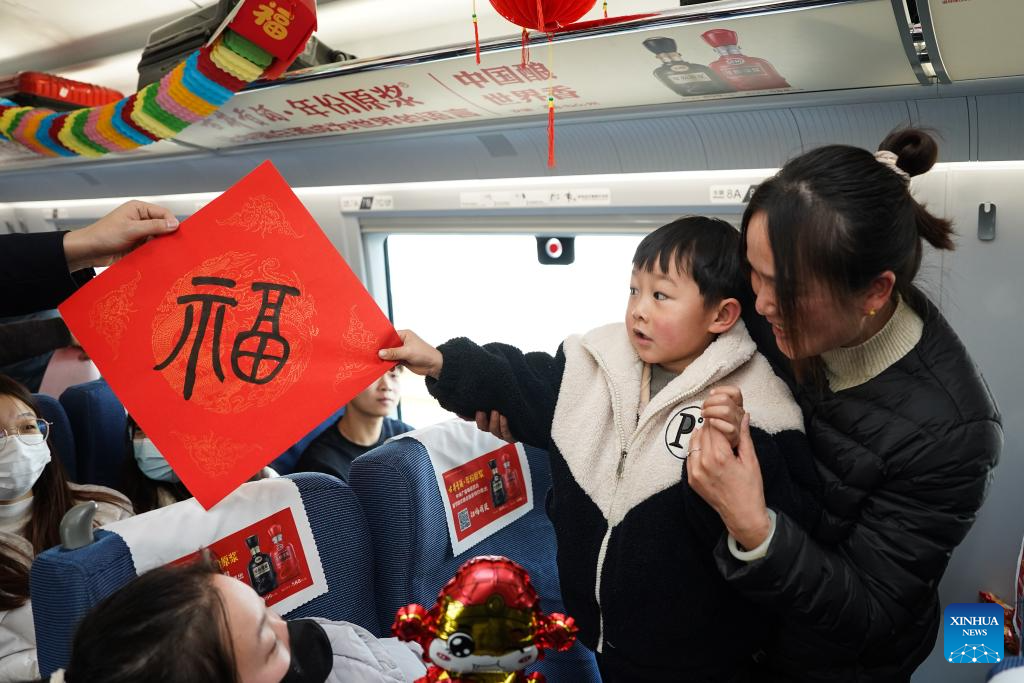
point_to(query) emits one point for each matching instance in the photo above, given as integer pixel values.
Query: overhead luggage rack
(171, 43)
(37, 89)
(777, 48)
(863, 61)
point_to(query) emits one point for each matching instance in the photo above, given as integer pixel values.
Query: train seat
(61, 438)
(65, 584)
(99, 423)
(1010, 670)
(396, 485)
(98, 419)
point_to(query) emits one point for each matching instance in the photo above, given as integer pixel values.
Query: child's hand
(723, 410)
(495, 423)
(415, 354)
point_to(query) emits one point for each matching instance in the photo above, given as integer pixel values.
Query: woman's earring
(871, 312)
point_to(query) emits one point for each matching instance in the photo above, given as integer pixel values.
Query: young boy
(616, 409)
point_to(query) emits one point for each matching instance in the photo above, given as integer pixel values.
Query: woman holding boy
(903, 428)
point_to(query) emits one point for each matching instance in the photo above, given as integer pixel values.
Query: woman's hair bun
(916, 149)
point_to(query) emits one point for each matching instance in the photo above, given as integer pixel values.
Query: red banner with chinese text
(232, 338)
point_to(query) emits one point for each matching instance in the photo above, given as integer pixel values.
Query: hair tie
(889, 159)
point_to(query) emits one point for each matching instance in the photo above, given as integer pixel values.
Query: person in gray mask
(148, 479)
(191, 623)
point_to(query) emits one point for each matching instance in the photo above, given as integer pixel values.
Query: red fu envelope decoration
(232, 338)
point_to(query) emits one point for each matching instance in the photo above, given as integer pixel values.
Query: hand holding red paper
(415, 354)
(232, 338)
(123, 229)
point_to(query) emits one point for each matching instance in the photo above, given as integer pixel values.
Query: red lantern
(543, 15)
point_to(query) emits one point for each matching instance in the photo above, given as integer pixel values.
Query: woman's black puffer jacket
(905, 461)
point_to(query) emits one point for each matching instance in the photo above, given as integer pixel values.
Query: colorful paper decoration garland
(190, 92)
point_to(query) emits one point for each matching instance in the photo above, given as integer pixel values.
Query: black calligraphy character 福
(208, 301)
(263, 343)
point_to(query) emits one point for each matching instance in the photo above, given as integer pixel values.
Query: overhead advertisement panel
(829, 47)
(978, 38)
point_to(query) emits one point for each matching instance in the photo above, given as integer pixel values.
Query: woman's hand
(730, 483)
(723, 410)
(111, 237)
(415, 354)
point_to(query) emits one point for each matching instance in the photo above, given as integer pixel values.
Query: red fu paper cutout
(232, 338)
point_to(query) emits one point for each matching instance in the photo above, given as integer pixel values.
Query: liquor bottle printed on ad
(682, 77)
(285, 563)
(261, 569)
(511, 478)
(740, 71)
(498, 494)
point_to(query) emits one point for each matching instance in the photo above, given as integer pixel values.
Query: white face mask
(20, 467)
(152, 464)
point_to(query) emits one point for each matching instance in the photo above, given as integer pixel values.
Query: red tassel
(551, 131)
(476, 34)
(526, 48)
(605, 9)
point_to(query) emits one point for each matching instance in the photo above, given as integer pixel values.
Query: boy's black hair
(706, 249)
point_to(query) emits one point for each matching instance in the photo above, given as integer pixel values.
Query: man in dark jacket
(39, 270)
(364, 426)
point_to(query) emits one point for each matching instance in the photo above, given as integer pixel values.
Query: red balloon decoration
(543, 15)
(486, 626)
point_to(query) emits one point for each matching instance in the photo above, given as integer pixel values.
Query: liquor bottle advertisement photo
(684, 78)
(267, 554)
(684, 72)
(485, 490)
(742, 72)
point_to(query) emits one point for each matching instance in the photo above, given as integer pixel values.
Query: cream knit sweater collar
(851, 366)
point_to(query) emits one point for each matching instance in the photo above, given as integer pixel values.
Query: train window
(492, 288)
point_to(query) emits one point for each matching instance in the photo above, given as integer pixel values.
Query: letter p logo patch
(972, 633)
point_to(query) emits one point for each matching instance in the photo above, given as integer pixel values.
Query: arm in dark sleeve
(702, 519)
(780, 457)
(791, 482)
(22, 340)
(34, 273)
(521, 386)
(873, 583)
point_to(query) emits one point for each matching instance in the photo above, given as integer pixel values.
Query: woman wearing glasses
(34, 495)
